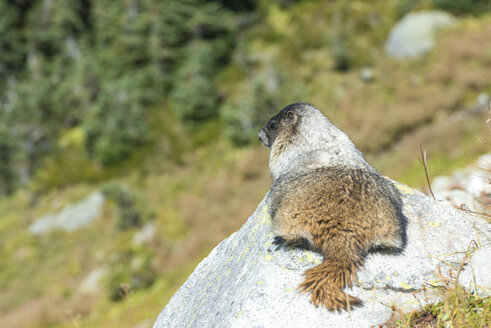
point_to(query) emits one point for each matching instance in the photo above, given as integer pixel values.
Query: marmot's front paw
(279, 241)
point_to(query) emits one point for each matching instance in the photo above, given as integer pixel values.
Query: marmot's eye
(273, 126)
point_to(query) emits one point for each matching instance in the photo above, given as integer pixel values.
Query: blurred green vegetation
(100, 66)
(476, 7)
(157, 105)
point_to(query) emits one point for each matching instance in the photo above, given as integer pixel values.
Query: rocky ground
(468, 189)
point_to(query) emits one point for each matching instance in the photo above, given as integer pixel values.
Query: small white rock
(366, 74)
(144, 235)
(71, 217)
(475, 185)
(92, 283)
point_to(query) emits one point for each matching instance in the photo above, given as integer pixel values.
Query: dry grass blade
(423, 156)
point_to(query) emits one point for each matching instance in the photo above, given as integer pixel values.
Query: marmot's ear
(291, 116)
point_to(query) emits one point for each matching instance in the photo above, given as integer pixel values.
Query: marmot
(327, 197)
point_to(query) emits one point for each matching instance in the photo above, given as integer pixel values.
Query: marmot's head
(301, 136)
(285, 125)
(280, 126)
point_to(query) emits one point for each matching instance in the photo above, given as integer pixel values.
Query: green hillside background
(157, 104)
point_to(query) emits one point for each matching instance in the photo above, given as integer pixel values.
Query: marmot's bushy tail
(327, 280)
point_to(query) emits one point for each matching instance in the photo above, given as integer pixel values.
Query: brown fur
(342, 213)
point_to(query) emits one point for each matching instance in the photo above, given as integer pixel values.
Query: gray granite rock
(414, 34)
(246, 281)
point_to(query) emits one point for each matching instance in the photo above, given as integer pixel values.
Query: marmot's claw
(279, 241)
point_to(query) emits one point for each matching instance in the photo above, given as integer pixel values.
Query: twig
(464, 208)
(423, 155)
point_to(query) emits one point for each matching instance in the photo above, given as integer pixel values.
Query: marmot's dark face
(281, 124)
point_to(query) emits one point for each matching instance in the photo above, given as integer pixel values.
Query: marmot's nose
(262, 137)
